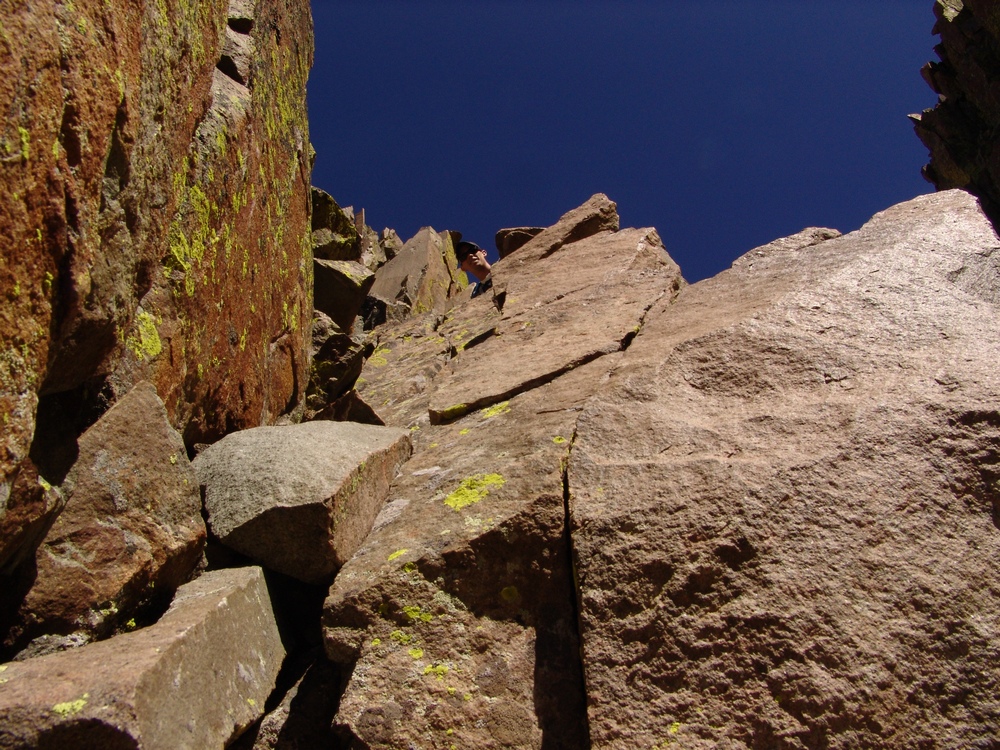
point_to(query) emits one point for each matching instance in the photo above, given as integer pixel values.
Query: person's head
(472, 259)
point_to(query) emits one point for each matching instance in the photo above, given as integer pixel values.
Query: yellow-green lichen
(400, 637)
(473, 490)
(145, 343)
(71, 707)
(378, 357)
(416, 653)
(25, 143)
(558, 440)
(464, 431)
(438, 670)
(376, 641)
(416, 614)
(453, 412)
(496, 410)
(397, 553)
(410, 567)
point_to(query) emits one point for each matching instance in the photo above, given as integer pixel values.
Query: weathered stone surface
(128, 180)
(299, 499)
(193, 680)
(229, 302)
(562, 307)
(509, 240)
(303, 718)
(337, 359)
(457, 612)
(599, 214)
(335, 236)
(340, 289)
(140, 199)
(960, 131)
(783, 504)
(30, 510)
(131, 531)
(390, 243)
(422, 275)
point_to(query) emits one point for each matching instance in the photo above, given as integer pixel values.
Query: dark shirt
(482, 286)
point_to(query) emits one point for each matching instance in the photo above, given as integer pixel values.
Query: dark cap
(464, 249)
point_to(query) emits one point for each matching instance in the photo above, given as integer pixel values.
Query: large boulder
(423, 275)
(340, 289)
(299, 499)
(155, 212)
(457, 613)
(784, 502)
(564, 303)
(195, 679)
(130, 534)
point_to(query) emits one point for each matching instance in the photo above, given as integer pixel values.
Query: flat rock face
(299, 499)
(784, 501)
(194, 680)
(131, 530)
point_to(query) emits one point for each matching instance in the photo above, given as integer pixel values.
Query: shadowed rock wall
(961, 131)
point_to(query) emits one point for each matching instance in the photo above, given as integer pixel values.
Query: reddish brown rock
(146, 193)
(130, 534)
(457, 612)
(194, 680)
(783, 503)
(299, 499)
(423, 275)
(509, 240)
(30, 510)
(562, 307)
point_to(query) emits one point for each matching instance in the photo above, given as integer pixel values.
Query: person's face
(475, 263)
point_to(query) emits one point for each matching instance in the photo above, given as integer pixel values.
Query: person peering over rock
(472, 259)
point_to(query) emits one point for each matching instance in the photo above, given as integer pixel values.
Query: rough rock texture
(784, 503)
(423, 275)
(194, 680)
(30, 510)
(337, 359)
(155, 211)
(558, 312)
(458, 611)
(303, 718)
(509, 240)
(299, 499)
(130, 534)
(960, 131)
(340, 289)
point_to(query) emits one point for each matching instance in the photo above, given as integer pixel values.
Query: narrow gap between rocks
(574, 582)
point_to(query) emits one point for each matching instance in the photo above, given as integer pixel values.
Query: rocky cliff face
(155, 217)
(156, 162)
(960, 131)
(594, 507)
(762, 507)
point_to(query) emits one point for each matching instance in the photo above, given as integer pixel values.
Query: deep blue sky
(723, 123)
